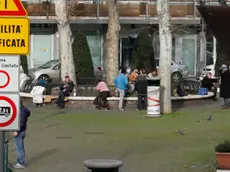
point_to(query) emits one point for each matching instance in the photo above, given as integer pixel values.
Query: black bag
(179, 91)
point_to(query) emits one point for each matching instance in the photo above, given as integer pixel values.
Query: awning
(218, 21)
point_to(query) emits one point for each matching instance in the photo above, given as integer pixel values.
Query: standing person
(225, 85)
(101, 100)
(66, 89)
(208, 84)
(133, 75)
(19, 137)
(121, 83)
(141, 87)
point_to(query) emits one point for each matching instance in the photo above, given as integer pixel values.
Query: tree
(82, 56)
(112, 41)
(165, 54)
(143, 55)
(24, 64)
(63, 13)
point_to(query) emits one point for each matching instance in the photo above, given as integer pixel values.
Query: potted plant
(223, 155)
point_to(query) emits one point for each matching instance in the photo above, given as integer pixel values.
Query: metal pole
(194, 9)
(147, 9)
(98, 9)
(214, 50)
(2, 152)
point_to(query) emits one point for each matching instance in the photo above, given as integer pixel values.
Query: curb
(81, 98)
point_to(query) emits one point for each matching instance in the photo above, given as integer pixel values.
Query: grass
(154, 144)
(144, 144)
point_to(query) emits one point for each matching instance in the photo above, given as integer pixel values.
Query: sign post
(14, 41)
(2, 161)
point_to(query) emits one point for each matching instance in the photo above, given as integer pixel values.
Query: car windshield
(49, 64)
(157, 62)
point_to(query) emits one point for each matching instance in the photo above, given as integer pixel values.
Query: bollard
(103, 165)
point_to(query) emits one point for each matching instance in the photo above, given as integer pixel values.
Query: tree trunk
(165, 54)
(112, 41)
(65, 33)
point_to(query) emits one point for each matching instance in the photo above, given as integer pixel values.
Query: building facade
(91, 17)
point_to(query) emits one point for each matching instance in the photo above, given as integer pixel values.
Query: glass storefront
(94, 42)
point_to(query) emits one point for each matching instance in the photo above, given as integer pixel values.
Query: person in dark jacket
(141, 88)
(225, 85)
(19, 137)
(66, 89)
(207, 83)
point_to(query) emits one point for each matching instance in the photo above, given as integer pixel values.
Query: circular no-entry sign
(14, 111)
(7, 79)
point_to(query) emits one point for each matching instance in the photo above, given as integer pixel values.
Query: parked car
(209, 69)
(51, 69)
(178, 71)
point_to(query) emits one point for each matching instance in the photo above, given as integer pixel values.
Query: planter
(223, 160)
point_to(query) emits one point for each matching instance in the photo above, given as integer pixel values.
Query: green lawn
(145, 144)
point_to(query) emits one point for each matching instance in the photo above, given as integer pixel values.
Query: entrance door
(42, 48)
(189, 55)
(126, 51)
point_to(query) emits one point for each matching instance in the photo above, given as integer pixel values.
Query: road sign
(9, 111)
(9, 73)
(12, 8)
(14, 35)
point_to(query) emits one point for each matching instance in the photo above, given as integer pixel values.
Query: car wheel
(44, 77)
(176, 77)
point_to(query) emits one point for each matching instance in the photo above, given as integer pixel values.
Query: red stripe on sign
(156, 100)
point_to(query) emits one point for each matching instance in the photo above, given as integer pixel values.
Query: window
(94, 41)
(49, 64)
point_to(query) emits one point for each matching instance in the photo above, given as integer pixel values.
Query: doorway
(126, 50)
(189, 55)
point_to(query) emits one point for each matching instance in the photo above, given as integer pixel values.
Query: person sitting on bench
(208, 84)
(66, 89)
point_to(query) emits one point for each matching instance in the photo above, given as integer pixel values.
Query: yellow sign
(14, 36)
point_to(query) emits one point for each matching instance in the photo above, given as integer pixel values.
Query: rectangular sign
(9, 112)
(9, 73)
(14, 36)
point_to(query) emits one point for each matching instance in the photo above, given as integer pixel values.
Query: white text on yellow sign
(14, 35)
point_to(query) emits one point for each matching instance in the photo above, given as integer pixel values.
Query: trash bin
(153, 94)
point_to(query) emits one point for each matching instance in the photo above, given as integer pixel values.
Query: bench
(103, 165)
(49, 98)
